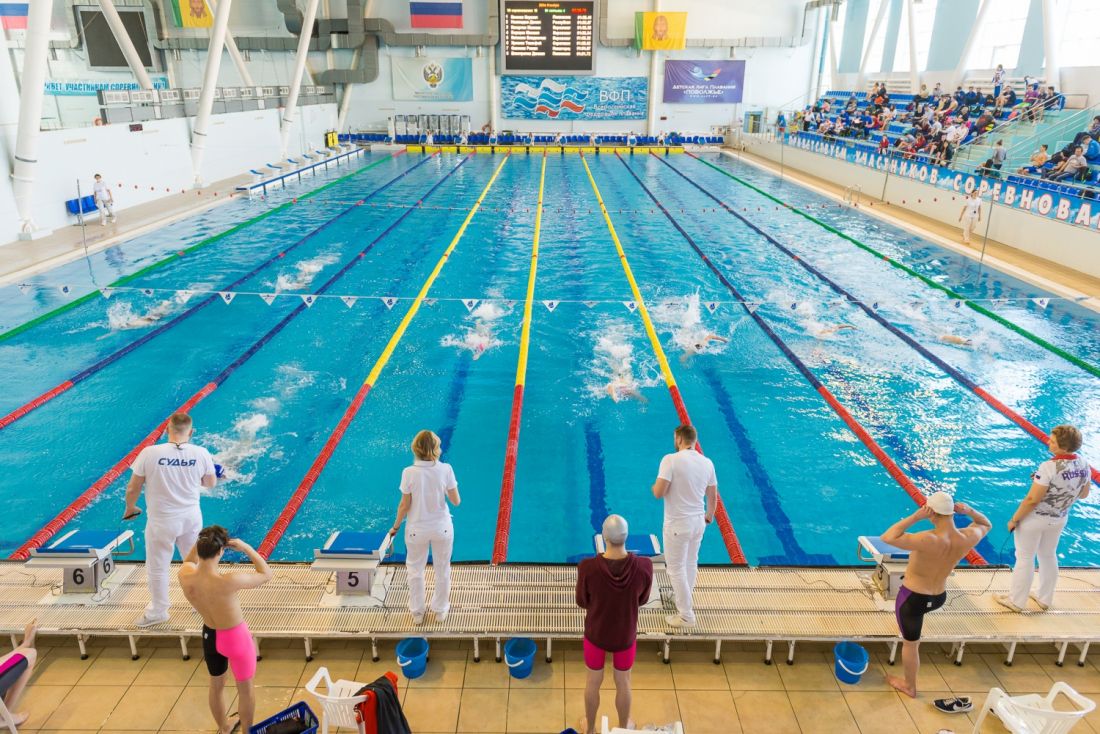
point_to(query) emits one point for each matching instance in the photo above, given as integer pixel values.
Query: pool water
(798, 484)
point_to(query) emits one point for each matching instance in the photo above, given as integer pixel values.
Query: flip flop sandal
(958, 705)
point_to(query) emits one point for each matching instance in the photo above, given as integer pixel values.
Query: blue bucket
(412, 656)
(519, 656)
(851, 662)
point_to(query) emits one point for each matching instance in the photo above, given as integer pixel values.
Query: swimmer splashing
(481, 336)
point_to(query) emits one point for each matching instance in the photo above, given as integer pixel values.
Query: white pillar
(30, 112)
(813, 91)
(914, 72)
(832, 41)
(1050, 46)
(860, 80)
(304, 37)
(494, 92)
(209, 83)
(238, 60)
(345, 101)
(124, 43)
(971, 39)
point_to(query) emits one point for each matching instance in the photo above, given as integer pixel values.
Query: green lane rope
(1088, 367)
(42, 318)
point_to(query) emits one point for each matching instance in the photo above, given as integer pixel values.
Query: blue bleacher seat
(86, 204)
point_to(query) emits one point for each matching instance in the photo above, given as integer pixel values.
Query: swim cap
(615, 530)
(942, 503)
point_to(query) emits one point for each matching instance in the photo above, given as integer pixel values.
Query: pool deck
(715, 679)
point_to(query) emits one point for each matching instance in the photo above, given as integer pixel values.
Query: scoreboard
(548, 37)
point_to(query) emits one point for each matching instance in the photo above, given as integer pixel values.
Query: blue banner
(1042, 198)
(704, 82)
(432, 80)
(88, 88)
(574, 97)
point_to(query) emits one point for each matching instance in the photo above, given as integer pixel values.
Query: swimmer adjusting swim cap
(942, 503)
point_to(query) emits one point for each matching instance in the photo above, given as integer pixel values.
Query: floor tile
(1023, 676)
(483, 710)
(113, 667)
(650, 675)
(270, 700)
(746, 671)
(880, 712)
(574, 708)
(166, 667)
(39, 702)
(822, 711)
(85, 707)
(62, 669)
(543, 675)
(537, 710)
(708, 712)
(341, 662)
(144, 708)
(929, 719)
(192, 710)
(655, 707)
(697, 672)
(486, 674)
(281, 667)
(972, 675)
(810, 672)
(445, 669)
(1083, 679)
(432, 709)
(765, 712)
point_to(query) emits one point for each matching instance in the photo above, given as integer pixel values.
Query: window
(998, 40)
(1079, 27)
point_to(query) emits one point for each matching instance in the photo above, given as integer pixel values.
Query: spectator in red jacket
(611, 587)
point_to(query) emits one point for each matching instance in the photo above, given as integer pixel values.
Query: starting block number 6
(88, 580)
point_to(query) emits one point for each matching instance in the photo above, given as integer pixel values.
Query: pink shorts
(595, 657)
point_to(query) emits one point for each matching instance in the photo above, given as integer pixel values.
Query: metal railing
(1077, 122)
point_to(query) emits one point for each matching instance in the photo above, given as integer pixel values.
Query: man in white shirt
(104, 200)
(173, 475)
(683, 480)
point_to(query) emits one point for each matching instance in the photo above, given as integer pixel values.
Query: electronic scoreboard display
(546, 37)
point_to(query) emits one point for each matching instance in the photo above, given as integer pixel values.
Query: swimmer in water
(623, 385)
(830, 330)
(955, 340)
(150, 317)
(699, 346)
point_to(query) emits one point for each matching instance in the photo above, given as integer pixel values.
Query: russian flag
(13, 16)
(435, 13)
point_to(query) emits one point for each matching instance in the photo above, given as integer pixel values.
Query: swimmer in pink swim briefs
(226, 642)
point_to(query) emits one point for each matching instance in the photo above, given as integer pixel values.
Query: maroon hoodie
(611, 591)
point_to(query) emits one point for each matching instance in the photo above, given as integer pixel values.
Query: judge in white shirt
(426, 486)
(684, 480)
(104, 200)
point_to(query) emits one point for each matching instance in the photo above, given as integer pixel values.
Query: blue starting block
(649, 547)
(890, 563)
(86, 557)
(356, 559)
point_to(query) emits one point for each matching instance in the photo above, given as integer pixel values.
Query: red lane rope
(41, 400)
(508, 483)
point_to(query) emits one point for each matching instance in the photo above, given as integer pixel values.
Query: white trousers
(163, 535)
(970, 221)
(682, 539)
(441, 540)
(1036, 535)
(106, 209)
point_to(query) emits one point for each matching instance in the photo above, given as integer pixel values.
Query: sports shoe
(442, 616)
(1041, 605)
(150, 620)
(675, 620)
(418, 618)
(1005, 602)
(959, 705)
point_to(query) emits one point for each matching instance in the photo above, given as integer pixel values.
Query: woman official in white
(426, 486)
(1038, 522)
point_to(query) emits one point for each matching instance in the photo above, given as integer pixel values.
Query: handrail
(1078, 120)
(999, 129)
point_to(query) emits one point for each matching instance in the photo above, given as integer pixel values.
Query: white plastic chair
(338, 702)
(1035, 714)
(677, 728)
(6, 719)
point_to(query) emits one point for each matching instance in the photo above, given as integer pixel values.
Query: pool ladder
(852, 195)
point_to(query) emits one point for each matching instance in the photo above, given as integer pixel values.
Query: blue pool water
(798, 484)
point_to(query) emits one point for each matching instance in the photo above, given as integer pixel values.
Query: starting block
(646, 546)
(890, 563)
(356, 559)
(86, 557)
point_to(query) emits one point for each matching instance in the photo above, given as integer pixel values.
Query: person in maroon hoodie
(610, 588)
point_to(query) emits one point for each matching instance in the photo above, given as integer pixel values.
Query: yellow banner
(193, 14)
(660, 31)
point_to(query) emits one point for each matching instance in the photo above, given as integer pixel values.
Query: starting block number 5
(352, 582)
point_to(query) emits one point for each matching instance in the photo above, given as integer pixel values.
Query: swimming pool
(797, 482)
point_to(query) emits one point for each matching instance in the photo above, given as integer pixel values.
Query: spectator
(923, 95)
(1094, 128)
(972, 97)
(611, 587)
(1031, 102)
(998, 80)
(426, 486)
(1074, 165)
(998, 156)
(173, 475)
(781, 123)
(1038, 522)
(683, 480)
(429, 138)
(852, 105)
(960, 96)
(883, 145)
(1059, 100)
(1038, 159)
(16, 668)
(826, 107)
(986, 169)
(104, 200)
(937, 92)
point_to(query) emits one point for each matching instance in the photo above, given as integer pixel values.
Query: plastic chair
(1035, 714)
(6, 718)
(338, 702)
(677, 728)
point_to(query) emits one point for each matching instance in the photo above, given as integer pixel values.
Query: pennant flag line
(308, 299)
(107, 292)
(712, 306)
(469, 303)
(349, 301)
(268, 297)
(630, 306)
(551, 305)
(389, 301)
(227, 296)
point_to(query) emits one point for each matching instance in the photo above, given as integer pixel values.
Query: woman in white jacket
(426, 486)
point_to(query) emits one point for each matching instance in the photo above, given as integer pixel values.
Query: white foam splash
(614, 372)
(304, 273)
(479, 337)
(245, 442)
(683, 315)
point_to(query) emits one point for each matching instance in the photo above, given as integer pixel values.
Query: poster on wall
(704, 82)
(89, 87)
(574, 98)
(192, 14)
(432, 80)
(660, 31)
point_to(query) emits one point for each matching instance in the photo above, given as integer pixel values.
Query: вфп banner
(432, 80)
(574, 97)
(704, 82)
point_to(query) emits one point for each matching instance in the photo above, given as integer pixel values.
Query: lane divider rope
(42, 318)
(511, 451)
(861, 433)
(54, 526)
(725, 526)
(278, 529)
(1034, 338)
(956, 374)
(118, 354)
